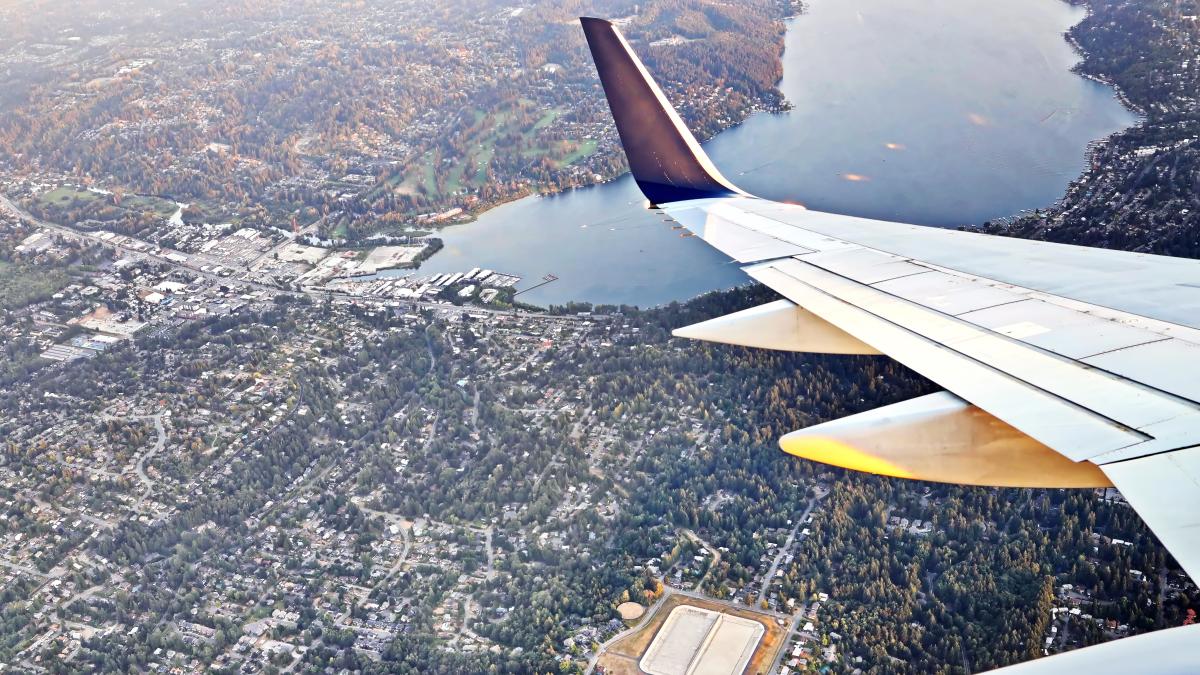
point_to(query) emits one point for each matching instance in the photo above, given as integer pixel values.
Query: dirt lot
(622, 658)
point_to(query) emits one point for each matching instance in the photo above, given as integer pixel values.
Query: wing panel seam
(1135, 436)
(1169, 397)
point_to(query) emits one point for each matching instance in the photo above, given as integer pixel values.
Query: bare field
(298, 253)
(383, 257)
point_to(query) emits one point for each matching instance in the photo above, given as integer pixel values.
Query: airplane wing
(1063, 366)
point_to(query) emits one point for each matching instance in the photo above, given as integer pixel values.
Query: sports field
(627, 655)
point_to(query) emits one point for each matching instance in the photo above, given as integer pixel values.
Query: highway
(712, 564)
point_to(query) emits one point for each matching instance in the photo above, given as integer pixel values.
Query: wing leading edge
(1065, 366)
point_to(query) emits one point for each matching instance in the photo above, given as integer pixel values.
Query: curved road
(140, 467)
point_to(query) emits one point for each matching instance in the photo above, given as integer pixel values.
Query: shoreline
(1084, 55)
(1090, 150)
(474, 213)
(1093, 147)
(798, 9)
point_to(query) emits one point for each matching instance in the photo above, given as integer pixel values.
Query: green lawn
(581, 151)
(544, 122)
(413, 176)
(482, 160)
(64, 196)
(145, 203)
(564, 153)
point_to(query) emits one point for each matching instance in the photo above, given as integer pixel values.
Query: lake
(938, 112)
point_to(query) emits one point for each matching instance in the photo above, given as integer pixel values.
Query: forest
(376, 115)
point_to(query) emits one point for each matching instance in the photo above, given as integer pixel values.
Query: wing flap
(1054, 421)
(744, 244)
(743, 236)
(1157, 363)
(1165, 491)
(1135, 284)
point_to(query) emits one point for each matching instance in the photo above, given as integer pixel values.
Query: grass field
(562, 153)
(66, 195)
(581, 151)
(417, 175)
(545, 121)
(143, 203)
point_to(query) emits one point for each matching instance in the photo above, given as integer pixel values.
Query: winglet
(665, 158)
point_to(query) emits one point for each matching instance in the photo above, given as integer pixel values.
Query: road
(469, 604)
(23, 568)
(765, 583)
(140, 467)
(1061, 639)
(1162, 593)
(716, 556)
(46, 636)
(782, 653)
(667, 592)
(403, 556)
(405, 533)
(695, 595)
(491, 554)
(84, 594)
(67, 511)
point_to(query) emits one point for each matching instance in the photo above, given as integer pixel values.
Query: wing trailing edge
(664, 157)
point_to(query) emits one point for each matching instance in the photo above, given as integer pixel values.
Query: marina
(484, 284)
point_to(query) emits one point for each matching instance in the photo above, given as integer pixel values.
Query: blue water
(939, 112)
